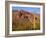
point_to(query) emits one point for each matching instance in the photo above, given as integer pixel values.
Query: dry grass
(24, 24)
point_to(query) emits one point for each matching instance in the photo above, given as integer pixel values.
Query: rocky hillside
(19, 17)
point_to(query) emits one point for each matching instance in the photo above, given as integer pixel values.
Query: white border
(31, 31)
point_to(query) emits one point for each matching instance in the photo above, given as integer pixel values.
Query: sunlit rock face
(21, 14)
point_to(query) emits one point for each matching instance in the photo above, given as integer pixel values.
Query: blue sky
(29, 9)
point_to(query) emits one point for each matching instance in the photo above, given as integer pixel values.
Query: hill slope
(23, 20)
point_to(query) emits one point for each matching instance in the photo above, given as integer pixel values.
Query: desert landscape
(23, 20)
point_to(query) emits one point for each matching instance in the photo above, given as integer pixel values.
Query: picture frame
(9, 8)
